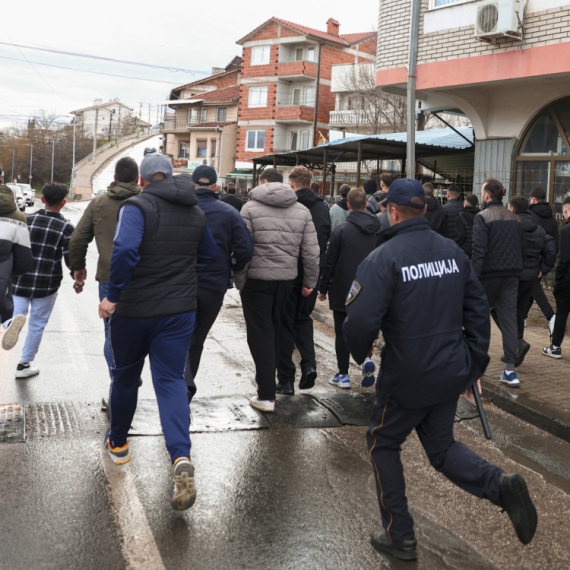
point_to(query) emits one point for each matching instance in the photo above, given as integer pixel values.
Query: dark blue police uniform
(420, 289)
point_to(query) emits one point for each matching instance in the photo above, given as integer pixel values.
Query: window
(202, 148)
(299, 54)
(222, 113)
(257, 96)
(260, 55)
(192, 116)
(444, 2)
(298, 140)
(297, 96)
(212, 148)
(304, 139)
(204, 115)
(183, 150)
(255, 140)
(293, 140)
(311, 54)
(309, 96)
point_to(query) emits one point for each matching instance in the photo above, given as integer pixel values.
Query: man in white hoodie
(282, 228)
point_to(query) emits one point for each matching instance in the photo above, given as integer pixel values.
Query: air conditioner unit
(499, 19)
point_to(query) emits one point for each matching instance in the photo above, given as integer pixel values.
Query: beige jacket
(282, 229)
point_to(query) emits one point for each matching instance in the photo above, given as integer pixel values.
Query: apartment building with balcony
(505, 64)
(202, 124)
(285, 91)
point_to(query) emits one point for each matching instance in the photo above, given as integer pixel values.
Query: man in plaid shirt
(49, 236)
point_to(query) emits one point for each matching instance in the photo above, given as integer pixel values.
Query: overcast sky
(195, 35)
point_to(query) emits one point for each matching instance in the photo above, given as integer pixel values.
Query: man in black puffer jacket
(435, 213)
(350, 244)
(539, 259)
(297, 324)
(464, 224)
(497, 257)
(544, 216)
(452, 210)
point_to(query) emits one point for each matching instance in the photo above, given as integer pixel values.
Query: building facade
(505, 64)
(285, 92)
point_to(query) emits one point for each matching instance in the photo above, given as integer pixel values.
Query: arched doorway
(543, 156)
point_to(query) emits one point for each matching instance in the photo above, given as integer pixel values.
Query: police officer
(420, 289)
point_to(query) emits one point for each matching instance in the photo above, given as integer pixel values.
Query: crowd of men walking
(389, 260)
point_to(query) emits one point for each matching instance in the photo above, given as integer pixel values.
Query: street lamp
(52, 156)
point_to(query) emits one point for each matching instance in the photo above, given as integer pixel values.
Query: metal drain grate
(12, 424)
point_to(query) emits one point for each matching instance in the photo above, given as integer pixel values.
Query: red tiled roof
(205, 79)
(226, 95)
(348, 39)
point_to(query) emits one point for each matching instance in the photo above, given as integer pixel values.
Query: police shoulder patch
(355, 288)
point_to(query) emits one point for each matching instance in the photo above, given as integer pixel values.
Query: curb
(521, 406)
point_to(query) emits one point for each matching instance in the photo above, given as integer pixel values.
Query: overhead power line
(87, 71)
(110, 59)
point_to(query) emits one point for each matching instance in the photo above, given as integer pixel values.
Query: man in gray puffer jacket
(282, 229)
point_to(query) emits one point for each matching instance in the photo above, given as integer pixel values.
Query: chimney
(97, 102)
(333, 27)
(217, 70)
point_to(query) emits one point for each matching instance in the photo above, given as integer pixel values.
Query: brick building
(506, 66)
(285, 91)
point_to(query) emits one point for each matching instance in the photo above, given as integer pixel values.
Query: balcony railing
(348, 117)
(171, 124)
(295, 101)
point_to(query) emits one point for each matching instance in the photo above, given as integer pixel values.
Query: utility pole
(73, 164)
(13, 159)
(411, 91)
(110, 123)
(95, 134)
(149, 117)
(31, 158)
(52, 156)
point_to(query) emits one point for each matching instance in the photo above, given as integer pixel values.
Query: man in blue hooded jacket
(420, 289)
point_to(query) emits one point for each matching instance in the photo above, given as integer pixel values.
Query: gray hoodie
(281, 228)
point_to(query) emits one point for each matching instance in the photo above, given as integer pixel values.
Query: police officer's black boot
(307, 379)
(516, 501)
(285, 387)
(405, 550)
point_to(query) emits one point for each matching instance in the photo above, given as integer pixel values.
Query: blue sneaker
(368, 369)
(334, 379)
(340, 380)
(510, 379)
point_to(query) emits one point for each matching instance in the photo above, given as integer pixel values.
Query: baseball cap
(402, 190)
(154, 163)
(204, 173)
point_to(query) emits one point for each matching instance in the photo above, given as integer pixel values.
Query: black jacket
(321, 219)
(421, 290)
(233, 200)
(464, 228)
(164, 282)
(452, 209)
(540, 249)
(563, 267)
(498, 242)
(349, 245)
(544, 217)
(435, 214)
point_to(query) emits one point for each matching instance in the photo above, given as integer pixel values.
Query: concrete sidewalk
(543, 398)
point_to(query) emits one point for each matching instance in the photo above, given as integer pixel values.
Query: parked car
(19, 197)
(28, 193)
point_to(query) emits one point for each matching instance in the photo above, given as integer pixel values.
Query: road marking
(137, 541)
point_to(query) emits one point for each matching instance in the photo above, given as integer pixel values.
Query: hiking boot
(511, 379)
(285, 387)
(308, 379)
(516, 501)
(263, 405)
(119, 455)
(184, 494)
(552, 352)
(26, 370)
(12, 333)
(405, 550)
(368, 369)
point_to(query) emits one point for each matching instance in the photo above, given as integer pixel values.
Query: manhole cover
(300, 412)
(350, 409)
(12, 424)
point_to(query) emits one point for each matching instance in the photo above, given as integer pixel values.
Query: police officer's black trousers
(342, 352)
(389, 427)
(297, 331)
(209, 304)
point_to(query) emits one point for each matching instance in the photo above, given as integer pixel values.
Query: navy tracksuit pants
(166, 341)
(389, 427)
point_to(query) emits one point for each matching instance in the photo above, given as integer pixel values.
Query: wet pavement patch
(12, 424)
(64, 419)
(350, 409)
(301, 412)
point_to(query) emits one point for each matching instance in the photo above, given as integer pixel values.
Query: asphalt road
(277, 498)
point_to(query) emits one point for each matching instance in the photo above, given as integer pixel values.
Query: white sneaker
(551, 324)
(184, 494)
(12, 333)
(263, 405)
(340, 380)
(26, 371)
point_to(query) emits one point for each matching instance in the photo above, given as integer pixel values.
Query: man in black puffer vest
(452, 210)
(297, 324)
(464, 223)
(151, 307)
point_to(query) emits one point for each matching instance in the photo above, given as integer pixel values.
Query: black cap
(204, 173)
(402, 190)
